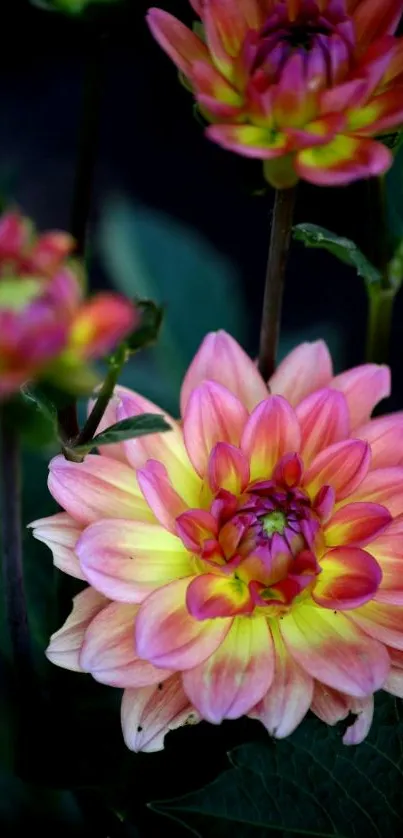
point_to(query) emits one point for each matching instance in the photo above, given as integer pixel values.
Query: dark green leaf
(147, 332)
(309, 784)
(34, 416)
(344, 249)
(70, 7)
(395, 268)
(146, 423)
(394, 195)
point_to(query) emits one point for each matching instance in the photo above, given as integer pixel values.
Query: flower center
(274, 522)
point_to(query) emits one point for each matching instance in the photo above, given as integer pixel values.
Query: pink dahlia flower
(247, 562)
(47, 329)
(301, 84)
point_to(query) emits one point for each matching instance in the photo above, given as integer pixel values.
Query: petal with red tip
(342, 161)
(289, 697)
(60, 533)
(182, 45)
(342, 465)
(195, 527)
(384, 486)
(385, 437)
(160, 495)
(249, 140)
(288, 471)
(363, 388)
(349, 577)
(356, 524)
(271, 431)
(228, 469)
(100, 323)
(388, 551)
(66, 643)
(212, 415)
(237, 676)
(149, 713)
(211, 596)
(220, 358)
(97, 488)
(306, 369)
(381, 114)
(168, 636)
(331, 648)
(381, 621)
(323, 419)
(108, 651)
(128, 559)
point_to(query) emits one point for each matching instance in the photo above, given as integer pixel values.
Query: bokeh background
(176, 219)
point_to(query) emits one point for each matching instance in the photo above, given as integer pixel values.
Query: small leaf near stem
(284, 203)
(134, 426)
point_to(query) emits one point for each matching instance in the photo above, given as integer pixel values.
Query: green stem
(380, 315)
(284, 203)
(103, 398)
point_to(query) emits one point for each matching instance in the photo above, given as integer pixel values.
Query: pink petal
(329, 705)
(363, 708)
(323, 419)
(160, 495)
(394, 682)
(127, 560)
(228, 469)
(99, 487)
(349, 578)
(60, 533)
(363, 388)
(388, 551)
(210, 596)
(372, 21)
(66, 643)
(235, 677)
(381, 621)
(289, 697)
(182, 45)
(168, 636)
(149, 713)
(356, 524)
(307, 368)
(342, 465)
(343, 160)
(195, 527)
(108, 651)
(254, 141)
(168, 448)
(271, 431)
(212, 415)
(220, 358)
(384, 486)
(385, 436)
(331, 648)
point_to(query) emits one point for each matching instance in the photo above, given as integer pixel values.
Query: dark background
(152, 158)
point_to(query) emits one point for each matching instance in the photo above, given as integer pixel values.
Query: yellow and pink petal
(382, 621)
(394, 682)
(179, 42)
(332, 707)
(60, 533)
(345, 159)
(342, 465)
(160, 495)
(356, 524)
(149, 713)
(235, 677)
(305, 369)
(65, 644)
(363, 387)
(349, 577)
(324, 419)
(383, 486)
(388, 551)
(384, 435)
(271, 431)
(209, 596)
(228, 469)
(213, 414)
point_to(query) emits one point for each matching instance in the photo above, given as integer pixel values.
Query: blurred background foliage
(177, 220)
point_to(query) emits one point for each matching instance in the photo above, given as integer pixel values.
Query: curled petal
(220, 358)
(195, 527)
(356, 524)
(97, 488)
(384, 435)
(149, 713)
(168, 636)
(331, 648)
(210, 596)
(271, 431)
(235, 677)
(363, 709)
(212, 415)
(182, 45)
(363, 388)
(349, 578)
(60, 533)
(65, 644)
(288, 700)
(323, 419)
(128, 559)
(288, 471)
(108, 651)
(306, 369)
(160, 495)
(342, 465)
(228, 469)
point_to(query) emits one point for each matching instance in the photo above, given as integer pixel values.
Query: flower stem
(381, 296)
(103, 398)
(284, 203)
(380, 315)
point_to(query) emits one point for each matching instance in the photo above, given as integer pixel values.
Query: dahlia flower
(301, 84)
(247, 562)
(46, 328)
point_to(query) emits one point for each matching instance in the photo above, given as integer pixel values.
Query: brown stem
(284, 203)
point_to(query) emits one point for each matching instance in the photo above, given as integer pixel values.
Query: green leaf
(394, 193)
(71, 7)
(309, 784)
(146, 423)
(344, 249)
(35, 417)
(150, 325)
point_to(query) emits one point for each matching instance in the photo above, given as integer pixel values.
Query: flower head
(46, 328)
(249, 561)
(301, 84)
